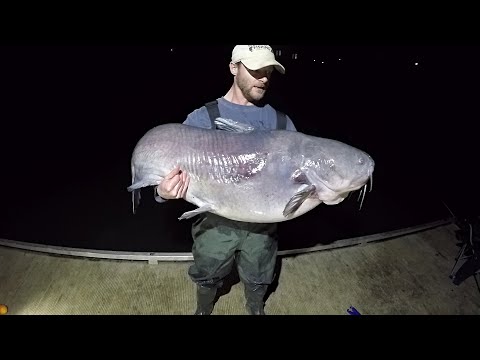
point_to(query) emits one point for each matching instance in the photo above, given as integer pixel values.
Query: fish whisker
(360, 193)
(363, 197)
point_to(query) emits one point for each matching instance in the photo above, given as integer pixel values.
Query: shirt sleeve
(290, 124)
(157, 197)
(199, 118)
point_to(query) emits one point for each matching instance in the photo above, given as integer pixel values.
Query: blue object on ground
(352, 311)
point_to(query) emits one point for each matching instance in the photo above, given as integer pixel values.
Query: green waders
(218, 243)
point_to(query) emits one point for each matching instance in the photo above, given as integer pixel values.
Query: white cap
(256, 57)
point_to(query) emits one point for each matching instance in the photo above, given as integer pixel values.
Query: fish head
(336, 169)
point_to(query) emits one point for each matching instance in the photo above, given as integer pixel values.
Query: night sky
(71, 116)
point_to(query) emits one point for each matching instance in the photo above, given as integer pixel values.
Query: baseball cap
(256, 57)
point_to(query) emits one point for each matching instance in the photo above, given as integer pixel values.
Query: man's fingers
(182, 181)
(177, 188)
(176, 183)
(184, 176)
(172, 183)
(185, 187)
(172, 173)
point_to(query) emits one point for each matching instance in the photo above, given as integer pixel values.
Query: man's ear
(233, 68)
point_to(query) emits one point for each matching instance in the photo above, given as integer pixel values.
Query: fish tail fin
(136, 196)
(135, 199)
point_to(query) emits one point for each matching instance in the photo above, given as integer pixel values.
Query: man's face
(253, 83)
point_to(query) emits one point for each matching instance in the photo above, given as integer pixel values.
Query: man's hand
(174, 185)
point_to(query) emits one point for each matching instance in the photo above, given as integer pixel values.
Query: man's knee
(210, 271)
(257, 268)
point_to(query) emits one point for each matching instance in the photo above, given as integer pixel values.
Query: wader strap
(213, 112)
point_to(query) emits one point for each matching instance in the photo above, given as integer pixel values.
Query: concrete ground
(406, 275)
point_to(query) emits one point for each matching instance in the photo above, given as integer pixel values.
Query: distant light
(339, 59)
(171, 49)
(323, 62)
(416, 64)
(314, 60)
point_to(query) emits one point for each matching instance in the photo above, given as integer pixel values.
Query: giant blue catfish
(244, 174)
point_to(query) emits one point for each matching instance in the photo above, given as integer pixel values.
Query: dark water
(72, 116)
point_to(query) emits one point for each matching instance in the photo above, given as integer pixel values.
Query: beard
(251, 92)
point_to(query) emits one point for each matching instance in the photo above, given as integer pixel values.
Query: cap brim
(253, 64)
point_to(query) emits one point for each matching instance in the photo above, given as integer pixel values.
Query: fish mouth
(342, 195)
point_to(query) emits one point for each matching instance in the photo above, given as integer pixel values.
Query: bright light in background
(416, 63)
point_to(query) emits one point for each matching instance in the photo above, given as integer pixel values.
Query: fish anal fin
(200, 210)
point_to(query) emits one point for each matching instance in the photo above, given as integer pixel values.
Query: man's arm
(175, 184)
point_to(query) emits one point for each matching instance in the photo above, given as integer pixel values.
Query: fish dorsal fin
(232, 125)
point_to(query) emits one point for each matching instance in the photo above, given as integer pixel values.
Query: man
(219, 242)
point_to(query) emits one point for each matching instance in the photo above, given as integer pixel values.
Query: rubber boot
(254, 295)
(205, 299)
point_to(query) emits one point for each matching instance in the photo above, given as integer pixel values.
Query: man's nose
(264, 79)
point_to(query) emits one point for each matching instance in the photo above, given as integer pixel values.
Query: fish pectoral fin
(200, 210)
(232, 125)
(297, 199)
